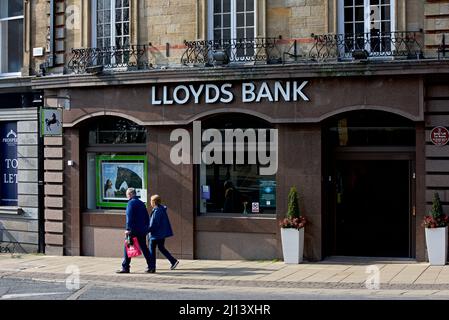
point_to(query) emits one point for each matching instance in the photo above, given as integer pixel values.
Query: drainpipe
(50, 62)
(40, 179)
(51, 57)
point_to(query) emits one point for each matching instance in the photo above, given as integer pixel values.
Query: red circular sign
(439, 136)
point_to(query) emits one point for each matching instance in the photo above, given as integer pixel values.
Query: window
(116, 160)
(112, 23)
(232, 189)
(233, 19)
(11, 36)
(367, 24)
(111, 31)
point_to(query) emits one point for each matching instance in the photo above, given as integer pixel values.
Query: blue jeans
(143, 246)
(160, 244)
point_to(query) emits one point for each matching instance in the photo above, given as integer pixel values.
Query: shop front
(351, 145)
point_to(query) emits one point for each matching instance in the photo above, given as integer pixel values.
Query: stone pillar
(53, 195)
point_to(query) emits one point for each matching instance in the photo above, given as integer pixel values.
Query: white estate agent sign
(212, 93)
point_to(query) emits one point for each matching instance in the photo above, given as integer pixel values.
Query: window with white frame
(11, 36)
(367, 24)
(111, 23)
(233, 19)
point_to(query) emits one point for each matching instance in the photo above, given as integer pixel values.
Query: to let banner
(9, 163)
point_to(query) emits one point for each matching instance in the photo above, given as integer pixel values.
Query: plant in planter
(436, 233)
(292, 230)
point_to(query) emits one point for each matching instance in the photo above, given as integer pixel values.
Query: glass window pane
(250, 19)
(217, 34)
(226, 20)
(349, 28)
(217, 6)
(107, 16)
(217, 21)
(125, 3)
(107, 30)
(359, 28)
(348, 3)
(118, 29)
(385, 13)
(226, 5)
(240, 33)
(99, 30)
(240, 20)
(100, 4)
(118, 15)
(349, 14)
(240, 5)
(15, 7)
(126, 15)
(386, 27)
(359, 14)
(126, 29)
(107, 4)
(13, 41)
(250, 33)
(227, 33)
(249, 5)
(118, 3)
(100, 17)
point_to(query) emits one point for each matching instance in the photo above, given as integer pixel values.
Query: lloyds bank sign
(246, 92)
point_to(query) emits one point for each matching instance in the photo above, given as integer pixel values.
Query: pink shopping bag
(133, 250)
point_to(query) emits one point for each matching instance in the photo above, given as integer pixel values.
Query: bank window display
(115, 162)
(237, 188)
(11, 36)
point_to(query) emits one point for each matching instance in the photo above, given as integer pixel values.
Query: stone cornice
(255, 72)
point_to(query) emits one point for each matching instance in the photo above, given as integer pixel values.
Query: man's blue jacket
(160, 227)
(137, 219)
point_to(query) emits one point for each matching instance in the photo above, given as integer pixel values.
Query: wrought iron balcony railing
(222, 51)
(133, 57)
(368, 45)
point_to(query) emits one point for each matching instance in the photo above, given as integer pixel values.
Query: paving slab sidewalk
(328, 274)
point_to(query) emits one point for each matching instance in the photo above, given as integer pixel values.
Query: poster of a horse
(116, 175)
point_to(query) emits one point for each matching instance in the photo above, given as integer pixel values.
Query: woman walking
(160, 229)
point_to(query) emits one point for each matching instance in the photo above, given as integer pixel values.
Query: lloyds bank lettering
(286, 91)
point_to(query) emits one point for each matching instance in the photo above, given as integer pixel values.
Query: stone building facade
(361, 60)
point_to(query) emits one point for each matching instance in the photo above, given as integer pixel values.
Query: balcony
(95, 60)
(225, 51)
(341, 47)
(320, 48)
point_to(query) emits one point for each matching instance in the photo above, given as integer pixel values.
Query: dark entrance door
(372, 208)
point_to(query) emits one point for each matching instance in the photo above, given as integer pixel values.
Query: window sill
(10, 75)
(11, 210)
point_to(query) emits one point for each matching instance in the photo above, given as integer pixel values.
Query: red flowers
(439, 222)
(296, 223)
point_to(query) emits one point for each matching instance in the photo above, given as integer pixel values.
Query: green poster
(267, 193)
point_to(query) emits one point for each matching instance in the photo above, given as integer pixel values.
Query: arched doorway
(369, 165)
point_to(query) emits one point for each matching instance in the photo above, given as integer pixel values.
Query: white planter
(436, 240)
(292, 245)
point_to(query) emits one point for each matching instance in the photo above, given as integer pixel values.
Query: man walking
(160, 229)
(137, 223)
